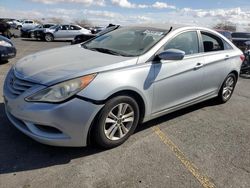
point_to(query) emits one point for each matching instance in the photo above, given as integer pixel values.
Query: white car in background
(64, 32)
(29, 24)
(17, 24)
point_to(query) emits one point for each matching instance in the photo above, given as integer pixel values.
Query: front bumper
(25, 34)
(64, 124)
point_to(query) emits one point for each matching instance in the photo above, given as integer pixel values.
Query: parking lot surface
(206, 145)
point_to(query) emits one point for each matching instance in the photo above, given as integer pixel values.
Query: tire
(48, 37)
(227, 88)
(19, 27)
(111, 130)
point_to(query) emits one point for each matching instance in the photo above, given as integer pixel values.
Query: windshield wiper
(108, 51)
(105, 50)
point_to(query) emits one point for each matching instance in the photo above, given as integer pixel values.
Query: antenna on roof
(170, 29)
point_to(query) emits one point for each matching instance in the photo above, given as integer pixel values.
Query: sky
(126, 12)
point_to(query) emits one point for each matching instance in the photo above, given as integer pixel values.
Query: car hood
(56, 65)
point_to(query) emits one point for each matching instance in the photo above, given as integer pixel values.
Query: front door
(62, 32)
(178, 82)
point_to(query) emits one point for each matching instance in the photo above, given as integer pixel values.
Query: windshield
(54, 27)
(38, 26)
(126, 41)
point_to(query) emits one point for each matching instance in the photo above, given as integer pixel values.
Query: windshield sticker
(157, 33)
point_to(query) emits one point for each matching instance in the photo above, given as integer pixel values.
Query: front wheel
(48, 37)
(227, 88)
(116, 121)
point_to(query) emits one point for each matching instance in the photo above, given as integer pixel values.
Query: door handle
(198, 66)
(226, 57)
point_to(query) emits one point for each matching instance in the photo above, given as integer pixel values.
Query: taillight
(242, 57)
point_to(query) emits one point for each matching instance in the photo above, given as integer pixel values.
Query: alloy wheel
(119, 121)
(48, 37)
(228, 88)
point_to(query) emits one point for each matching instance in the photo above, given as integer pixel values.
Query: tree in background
(56, 20)
(228, 26)
(83, 23)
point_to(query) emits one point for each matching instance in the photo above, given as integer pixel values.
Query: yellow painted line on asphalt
(204, 181)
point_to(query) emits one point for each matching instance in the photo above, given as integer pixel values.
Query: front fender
(138, 78)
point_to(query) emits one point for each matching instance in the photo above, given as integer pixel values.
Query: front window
(187, 42)
(126, 41)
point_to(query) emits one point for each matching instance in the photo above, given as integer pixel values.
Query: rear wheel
(227, 88)
(48, 37)
(116, 121)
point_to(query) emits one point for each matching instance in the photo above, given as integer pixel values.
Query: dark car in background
(240, 39)
(30, 32)
(7, 49)
(84, 37)
(225, 33)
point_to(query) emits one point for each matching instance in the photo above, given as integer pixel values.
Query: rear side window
(211, 42)
(187, 42)
(74, 27)
(227, 46)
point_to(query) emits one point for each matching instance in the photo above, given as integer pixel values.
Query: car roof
(174, 27)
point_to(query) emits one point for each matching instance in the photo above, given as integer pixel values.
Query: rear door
(178, 82)
(217, 58)
(74, 30)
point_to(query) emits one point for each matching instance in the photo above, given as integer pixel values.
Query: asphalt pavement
(206, 145)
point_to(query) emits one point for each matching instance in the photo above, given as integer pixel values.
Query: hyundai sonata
(102, 89)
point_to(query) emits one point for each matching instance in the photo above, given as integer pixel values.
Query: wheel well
(135, 96)
(49, 34)
(129, 93)
(236, 74)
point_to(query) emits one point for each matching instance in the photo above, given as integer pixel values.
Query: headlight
(62, 91)
(4, 43)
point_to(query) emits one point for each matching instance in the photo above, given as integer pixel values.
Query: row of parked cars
(18, 24)
(48, 32)
(77, 34)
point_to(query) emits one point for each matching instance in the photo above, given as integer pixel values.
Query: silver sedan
(63, 32)
(102, 89)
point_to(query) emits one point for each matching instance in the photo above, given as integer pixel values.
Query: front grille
(17, 86)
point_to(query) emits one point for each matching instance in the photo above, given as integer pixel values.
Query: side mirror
(171, 54)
